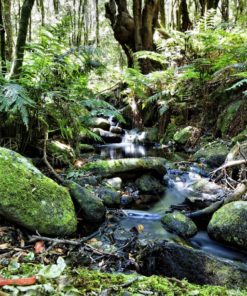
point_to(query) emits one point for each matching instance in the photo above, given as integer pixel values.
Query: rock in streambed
(32, 200)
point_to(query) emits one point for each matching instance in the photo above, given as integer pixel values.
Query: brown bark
(8, 28)
(134, 33)
(21, 38)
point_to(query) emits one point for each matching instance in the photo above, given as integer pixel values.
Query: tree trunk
(162, 13)
(56, 6)
(2, 35)
(97, 23)
(134, 33)
(21, 38)
(8, 28)
(186, 22)
(225, 10)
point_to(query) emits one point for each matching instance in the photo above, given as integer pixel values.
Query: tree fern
(14, 99)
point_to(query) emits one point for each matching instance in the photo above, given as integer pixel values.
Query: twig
(230, 164)
(79, 242)
(60, 179)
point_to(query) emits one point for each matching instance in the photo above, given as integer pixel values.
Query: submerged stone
(229, 224)
(32, 200)
(180, 224)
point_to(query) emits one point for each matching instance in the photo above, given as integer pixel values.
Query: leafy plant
(14, 99)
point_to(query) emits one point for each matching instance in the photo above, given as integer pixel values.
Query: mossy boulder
(233, 119)
(60, 153)
(109, 196)
(32, 200)
(173, 260)
(149, 184)
(187, 136)
(229, 224)
(180, 224)
(91, 205)
(124, 167)
(213, 154)
(108, 137)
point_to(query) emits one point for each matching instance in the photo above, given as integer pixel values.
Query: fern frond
(14, 99)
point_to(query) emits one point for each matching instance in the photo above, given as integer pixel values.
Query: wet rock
(149, 184)
(110, 197)
(187, 136)
(180, 224)
(213, 154)
(125, 167)
(229, 224)
(101, 123)
(108, 137)
(116, 130)
(126, 199)
(115, 183)
(204, 192)
(60, 153)
(31, 199)
(173, 260)
(91, 205)
(87, 180)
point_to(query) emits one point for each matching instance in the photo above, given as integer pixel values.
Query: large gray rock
(32, 200)
(91, 206)
(213, 154)
(229, 224)
(173, 260)
(180, 224)
(123, 167)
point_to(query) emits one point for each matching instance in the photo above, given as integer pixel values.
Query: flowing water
(179, 185)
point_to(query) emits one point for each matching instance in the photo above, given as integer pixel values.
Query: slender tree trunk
(21, 38)
(2, 35)
(186, 22)
(97, 23)
(225, 10)
(8, 28)
(162, 13)
(56, 6)
(137, 12)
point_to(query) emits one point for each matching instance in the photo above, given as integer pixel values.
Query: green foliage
(14, 99)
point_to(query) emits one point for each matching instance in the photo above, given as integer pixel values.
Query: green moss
(87, 282)
(106, 168)
(33, 200)
(229, 224)
(227, 117)
(241, 137)
(183, 135)
(170, 131)
(180, 224)
(86, 148)
(60, 152)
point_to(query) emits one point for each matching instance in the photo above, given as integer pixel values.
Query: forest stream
(179, 185)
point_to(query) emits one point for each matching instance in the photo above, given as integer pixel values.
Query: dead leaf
(39, 247)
